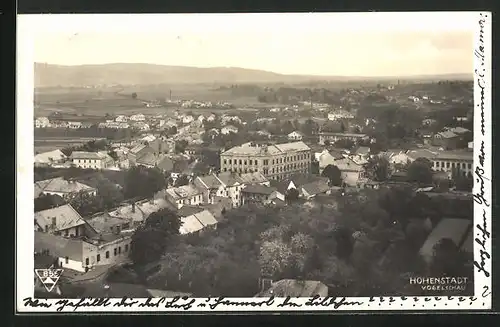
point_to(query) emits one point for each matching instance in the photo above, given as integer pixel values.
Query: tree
(461, 182)
(150, 241)
(396, 202)
(420, 171)
(86, 204)
(292, 195)
(67, 151)
(180, 146)
(327, 143)
(345, 243)
(448, 259)
(113, 155)
(345, 144)
(334, 175)
(143, 182)
(274, 258)
(181, 181)
(134, 95)
(378, 168)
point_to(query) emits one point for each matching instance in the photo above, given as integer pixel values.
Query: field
(88, 104)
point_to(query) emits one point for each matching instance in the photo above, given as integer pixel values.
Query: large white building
(275, 161)
(93, 160)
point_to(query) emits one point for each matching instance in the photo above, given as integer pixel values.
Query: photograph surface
(254, 162)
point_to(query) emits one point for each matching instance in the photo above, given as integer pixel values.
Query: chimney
(53, 222)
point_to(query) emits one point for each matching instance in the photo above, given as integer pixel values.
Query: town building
(83, 253)
(229, 129)
(258, 194)
(63, 220)
(455, 229)
(274, 161)
(93, 160)
(42, 122)
(295, 136)
(138, 118)
(49, 158)
(62, 187)
(351, 172)
(340, 114)
(184, 195)
(334, 137)
(448, 161)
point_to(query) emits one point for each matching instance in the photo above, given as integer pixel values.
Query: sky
(349, 44)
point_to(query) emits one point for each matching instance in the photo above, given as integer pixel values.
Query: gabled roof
(148, 158)
(47, 157)
(459, 130)
(421, 153)
(347, 164)
(451, 228)
(209, 181)
(183, 192)
(59, 246)
(65, 216)
(229, 178)
(186, 211)
(104, 223)
(85, 155)
(315, 188)
(447, 134)
(258, 189)
(60, 185)
(190, 224)
(138, 148)
(363, 150)
(253, 178)
(206, 218)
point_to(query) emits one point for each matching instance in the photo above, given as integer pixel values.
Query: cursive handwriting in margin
(195, 304)
(482, 229)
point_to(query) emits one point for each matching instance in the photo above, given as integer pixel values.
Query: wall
(91, 252)
(350, 178)
(89, 163)
(71, 264)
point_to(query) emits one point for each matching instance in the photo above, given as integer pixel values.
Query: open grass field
(93, 104)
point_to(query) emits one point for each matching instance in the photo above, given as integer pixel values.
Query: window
(225, 161)
(98, 257)
(447, 165)
(470, 166)
(107, 254)
(66, 260)
(266, 162)
(245, 162)
(119, 250)
(240, 161)
(255, 162)
(115, 251)
(126, 247)
(272, 162)
(87, 261)
(66, 232)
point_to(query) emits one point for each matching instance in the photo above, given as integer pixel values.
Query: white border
(27, 27)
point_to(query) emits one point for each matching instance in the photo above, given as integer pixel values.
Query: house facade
(295, 136)
(184, 195)
(275, 161)
(63, 220)
(334, 137)
(93, 160)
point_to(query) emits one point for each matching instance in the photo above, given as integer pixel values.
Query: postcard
(315, 162)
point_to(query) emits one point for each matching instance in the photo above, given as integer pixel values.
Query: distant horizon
(471, 73)
(310, 44)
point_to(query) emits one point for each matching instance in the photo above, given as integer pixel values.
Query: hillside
(47, 75)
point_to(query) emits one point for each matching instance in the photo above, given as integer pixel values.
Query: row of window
(87, 161)
(265, 162)
(442, 164)
(116, 251)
